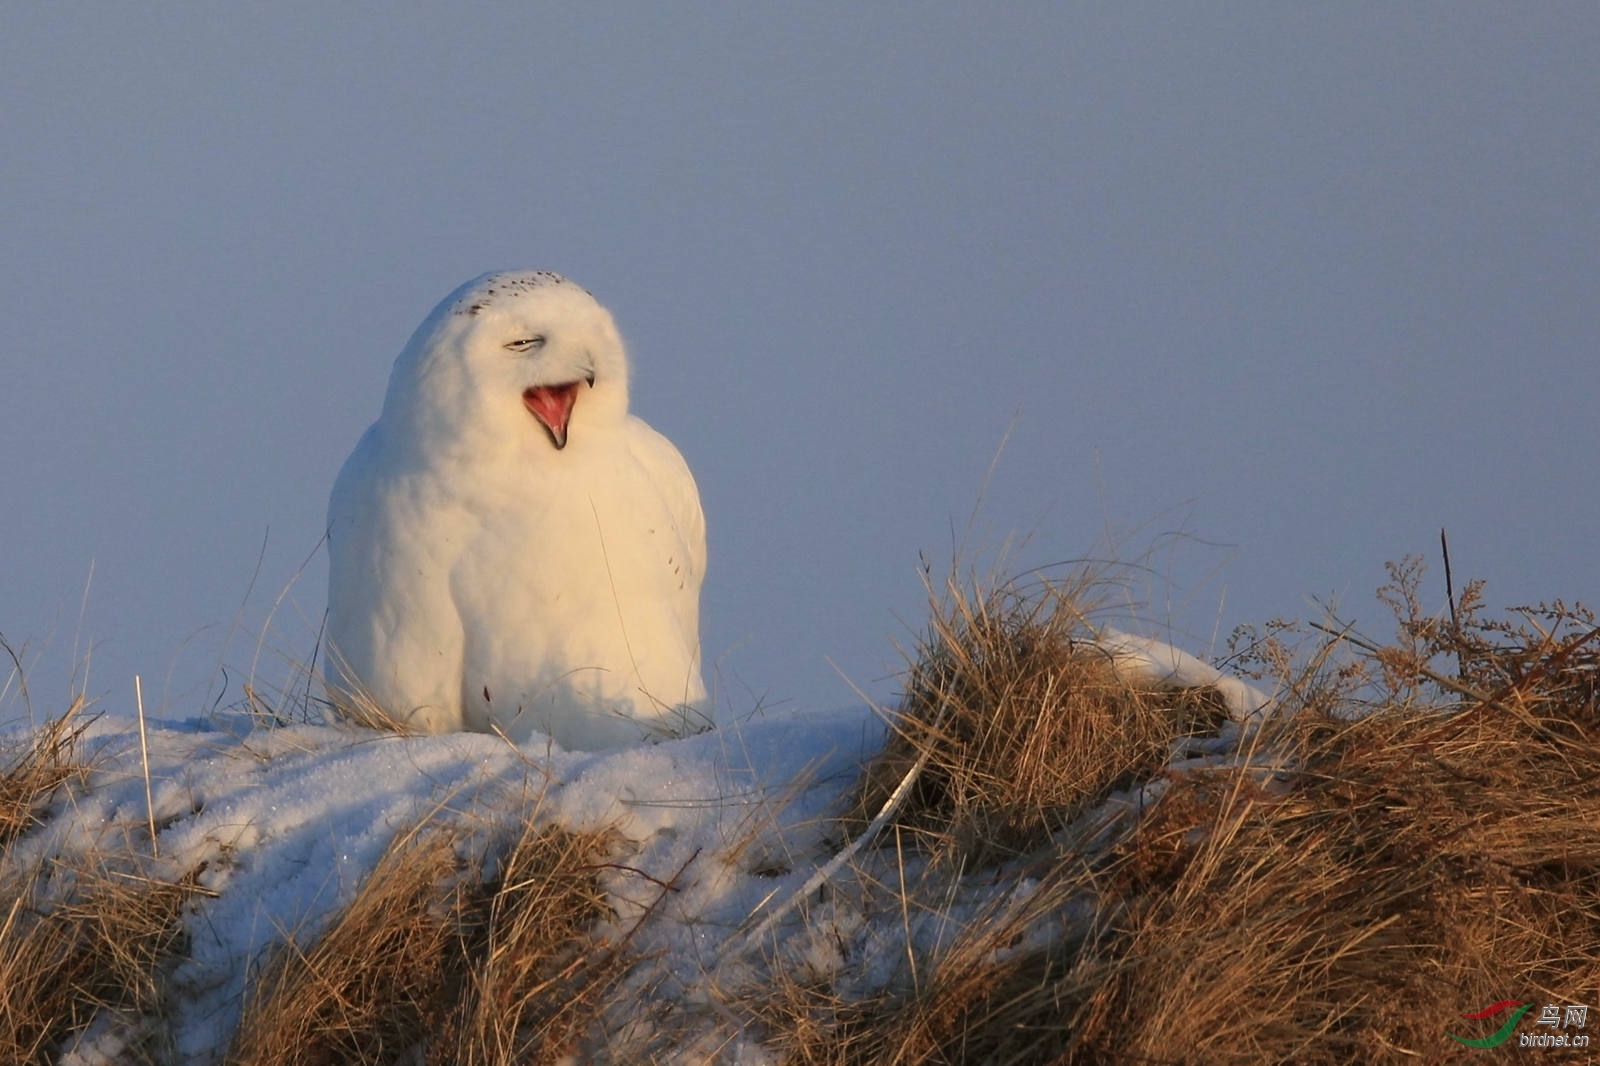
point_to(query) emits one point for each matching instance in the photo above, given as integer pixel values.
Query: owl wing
(667, 470)
(393, 633)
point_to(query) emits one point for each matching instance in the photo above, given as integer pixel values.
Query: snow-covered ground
(288, 820)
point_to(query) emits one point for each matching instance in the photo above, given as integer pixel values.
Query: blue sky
(1273, 291)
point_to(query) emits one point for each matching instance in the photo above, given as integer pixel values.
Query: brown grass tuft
(95, 944)
(536, 972)
(362, 991)
(1428, 843)
(427, 960)
(1023, 722)
(76, 938)
(998, 991)
(1415, 865)
(354, 702)
(46, 761)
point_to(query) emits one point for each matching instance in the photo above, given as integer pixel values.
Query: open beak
(552, 406)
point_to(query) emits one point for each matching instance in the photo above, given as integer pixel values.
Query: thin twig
(144, 759)
(21, 676)
(1449, 585)
(832, 867)
(1450, 597)
(665, 886)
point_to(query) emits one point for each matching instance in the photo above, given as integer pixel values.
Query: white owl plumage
(508, 547)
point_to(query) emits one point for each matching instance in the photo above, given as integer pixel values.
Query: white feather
(481, 575)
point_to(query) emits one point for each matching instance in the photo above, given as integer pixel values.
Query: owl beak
(552, 406)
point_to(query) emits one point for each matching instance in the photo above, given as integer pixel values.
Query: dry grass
(79, 937)
(1023, 723)
(96, 943)
(1429, 858)
(1431, 845)
(537, 970)
(352, 701)
(43, 763)
(363, 990)
(1411, 869)
(995, 993)
(428, 960)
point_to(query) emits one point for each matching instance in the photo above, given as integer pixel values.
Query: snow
(289, 820)
(1158, 663)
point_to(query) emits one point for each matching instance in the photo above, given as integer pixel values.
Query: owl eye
(526, 344)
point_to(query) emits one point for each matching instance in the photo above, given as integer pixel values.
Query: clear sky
(1300, 283)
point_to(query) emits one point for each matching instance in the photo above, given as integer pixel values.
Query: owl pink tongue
(552, 405)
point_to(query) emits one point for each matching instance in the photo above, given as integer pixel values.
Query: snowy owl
(508, 547)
